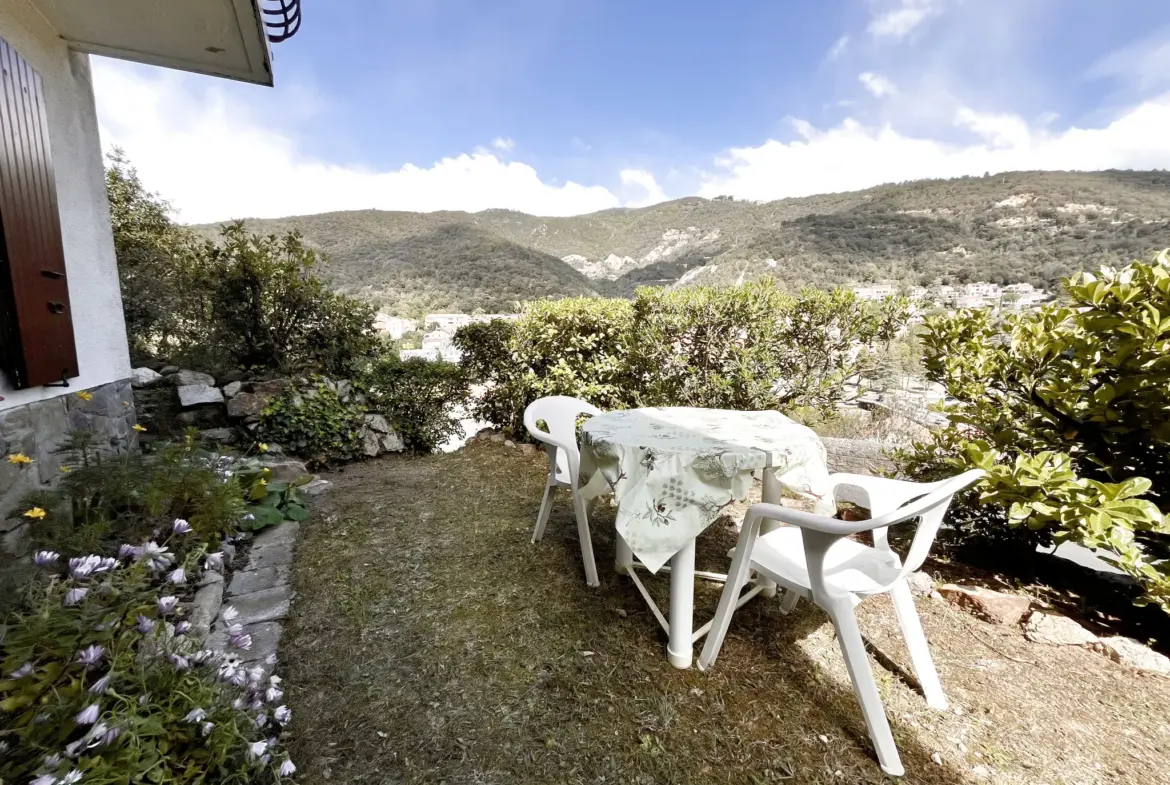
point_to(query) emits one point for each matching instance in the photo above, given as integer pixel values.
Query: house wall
(35, 421)
(95, 299)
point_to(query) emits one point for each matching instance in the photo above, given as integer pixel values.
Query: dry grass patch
(431, 642)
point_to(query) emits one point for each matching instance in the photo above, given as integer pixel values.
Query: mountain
(1016, 227)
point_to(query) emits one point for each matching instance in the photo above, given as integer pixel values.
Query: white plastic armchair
(813, 558)
(560, 413)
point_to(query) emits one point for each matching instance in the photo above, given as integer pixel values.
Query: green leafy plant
(269, 502)
(422, 399)
(101, 682)
(315, 420)
(1066, 409)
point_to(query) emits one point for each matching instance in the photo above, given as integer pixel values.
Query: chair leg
(542, 516)
(591, 578)
(916, 643)
(861, 674)
(788, 602)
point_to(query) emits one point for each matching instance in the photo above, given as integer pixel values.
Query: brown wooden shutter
(38, 323)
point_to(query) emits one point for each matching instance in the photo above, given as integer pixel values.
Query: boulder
(231, 389)
(271, 387)
(218, 435)
(167, 370)
(1132, 654)
(316, 487)
(228, 377)
(497, 438)
(197, 394)
(246, 405)
(921, 584)
(993, 606)
(1056, 630)
(377, 423)
(190, 378)
(144, 377)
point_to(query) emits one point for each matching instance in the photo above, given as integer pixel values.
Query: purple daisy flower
(195, 715)
(167, 605)
(282, 714)
(182, 628)
(22, 671)
(207, 728)
(91, 655)
(287, 769)
(178, 577)
(241, 641)
(145, 625)
(74, 596)
(256, 749)
(213, 562)
(101, 685)
(180, 526)
(127, 552)
(88, 715)
(45, 558)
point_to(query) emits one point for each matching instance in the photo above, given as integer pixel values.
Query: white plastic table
(673, 471)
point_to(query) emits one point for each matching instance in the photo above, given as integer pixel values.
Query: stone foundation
(37, 430)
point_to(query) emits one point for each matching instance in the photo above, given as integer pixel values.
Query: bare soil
(430, 641)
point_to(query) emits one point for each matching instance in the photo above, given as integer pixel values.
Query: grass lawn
(432, 642)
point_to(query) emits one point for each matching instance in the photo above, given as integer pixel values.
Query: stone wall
(858, 456)
(37, 429)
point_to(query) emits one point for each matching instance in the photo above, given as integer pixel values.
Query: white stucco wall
(94, 296)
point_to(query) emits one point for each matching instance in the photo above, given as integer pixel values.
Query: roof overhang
(217, 37)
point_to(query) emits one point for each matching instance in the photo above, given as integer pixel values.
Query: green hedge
(749, 347)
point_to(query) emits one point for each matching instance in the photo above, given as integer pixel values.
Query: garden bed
(431, 642)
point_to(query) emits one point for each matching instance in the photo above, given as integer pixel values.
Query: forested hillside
(1021, 226)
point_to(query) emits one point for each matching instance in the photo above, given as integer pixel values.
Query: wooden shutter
(34, 297)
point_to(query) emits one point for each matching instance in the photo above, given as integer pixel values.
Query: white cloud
(838, 48)
(643, 179)
(504, 144)
(898, 21)
(877, 84)
(1145, 64)
(213, 159)
(852, 156)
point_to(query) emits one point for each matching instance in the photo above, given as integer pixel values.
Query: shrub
(102, 683)
(267, 308)
(744, 347)
(104, 499)
(315, 420)
(1066, 409)
(422, 399)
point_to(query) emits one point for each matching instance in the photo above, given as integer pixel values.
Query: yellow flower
(35, 512)
(19, 459)
(85, 395)
(263, 447)
(66, 469)
(126, 404)
(138, 428)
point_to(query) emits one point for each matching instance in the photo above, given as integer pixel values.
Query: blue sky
(567, 106)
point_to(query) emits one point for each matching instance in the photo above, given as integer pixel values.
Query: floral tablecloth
(674, 470)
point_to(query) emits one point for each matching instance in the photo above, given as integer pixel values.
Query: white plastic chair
(812, 558)
(560, 413)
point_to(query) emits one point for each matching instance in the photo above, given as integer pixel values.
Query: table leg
(680, 649)
(771, 494)
(623, 557)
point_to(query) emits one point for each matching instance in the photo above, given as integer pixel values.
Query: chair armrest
(883, 494)
(808, 520)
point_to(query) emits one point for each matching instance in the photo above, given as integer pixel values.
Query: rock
(270, 388)
(392, 442)
(371, 444)
(509, 443)
(992, 606)
(264, 605)
(285, 469)
(280, 534)
(197, 394)
(272, 556)
(205, 608)
(376, 422)
(167, 370)
(188, 378)
(257, 580)
(1056, 630)
(218, 435)
(497, 438)
(229, 552)
(232, 389)
(144, 377)
(230, 377)
(921, 584)
(244, 404)
(265, 639)
(484, 434)
(315, 487)
(1133, 654)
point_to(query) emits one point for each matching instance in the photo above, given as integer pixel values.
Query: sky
(564, 107)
